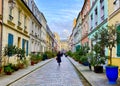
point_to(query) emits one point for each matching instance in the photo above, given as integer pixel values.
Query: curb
(29, 72)
(79, 71)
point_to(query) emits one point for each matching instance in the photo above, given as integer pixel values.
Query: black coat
(58, 57)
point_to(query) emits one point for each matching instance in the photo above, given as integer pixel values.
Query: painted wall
(12, 27)
(85, 23)
(114, 19)
(99, 21)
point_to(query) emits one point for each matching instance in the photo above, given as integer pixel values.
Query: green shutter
(10, 39)
(23, 44)
(118, 41)
(27, 49)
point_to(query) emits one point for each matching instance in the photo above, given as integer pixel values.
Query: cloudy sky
(60, 14)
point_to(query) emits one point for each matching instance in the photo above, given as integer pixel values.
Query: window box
(18, 27)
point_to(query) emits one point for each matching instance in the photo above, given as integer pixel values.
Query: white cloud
(60, 14)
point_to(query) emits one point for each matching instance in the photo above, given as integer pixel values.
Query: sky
(60, 14)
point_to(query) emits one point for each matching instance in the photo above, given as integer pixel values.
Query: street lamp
(11, 4)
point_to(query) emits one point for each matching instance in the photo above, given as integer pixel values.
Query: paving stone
(52, 75)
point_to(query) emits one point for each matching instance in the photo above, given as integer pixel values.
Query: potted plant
(97, 55)
(96, 59)
(32, 59)
(8, 69)
(110, 40)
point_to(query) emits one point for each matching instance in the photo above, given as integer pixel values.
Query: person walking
(58, 58)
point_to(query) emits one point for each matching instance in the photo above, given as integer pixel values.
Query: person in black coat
(58, 58)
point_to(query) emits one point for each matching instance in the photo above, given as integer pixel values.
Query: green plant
(9, 50)
(20, 53)
(107, 37)
(84, 59)
(8, 69)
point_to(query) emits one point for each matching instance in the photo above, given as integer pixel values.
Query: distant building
(57, 38)
(64, 45)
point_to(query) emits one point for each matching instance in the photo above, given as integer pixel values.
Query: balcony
(96, 23)
(85, 35)
(11, 17)
(102, 17)
(91, 28)
(19, 23)
(10, 22)
(25, 30)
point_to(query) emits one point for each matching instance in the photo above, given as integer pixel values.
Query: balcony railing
(10, 17)
(19, 23)
(102, 17)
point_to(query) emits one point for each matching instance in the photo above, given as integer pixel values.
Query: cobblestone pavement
(52, 75)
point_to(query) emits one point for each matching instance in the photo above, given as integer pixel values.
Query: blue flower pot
(85, 63)
(112, 74)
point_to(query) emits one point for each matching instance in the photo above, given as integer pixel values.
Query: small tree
(107, 37)
(111, 39)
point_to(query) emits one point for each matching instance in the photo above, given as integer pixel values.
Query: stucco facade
(114, 19)
(16, 25)
(64, 45)
(85, 22)
(97, 17)
(57, 38)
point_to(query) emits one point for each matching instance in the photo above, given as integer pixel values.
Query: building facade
(64, 45)
(97, 18)
(16, 25)
(50, 39)
(85, 22)
(58, 45)
(114, 19)
(77, 32)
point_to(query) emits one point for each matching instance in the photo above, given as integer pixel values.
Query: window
(10, 14)
(19, 41)
(19, 23)
(116, 4)
(102, 9)
(25, 20)
(96, 16)
(96, 11)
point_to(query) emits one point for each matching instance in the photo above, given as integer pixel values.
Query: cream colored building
(16, 25)
(64, 45)
(36, 28)
(57, 38)
(43, 33)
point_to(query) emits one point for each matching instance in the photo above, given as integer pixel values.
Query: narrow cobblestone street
(52, 75)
